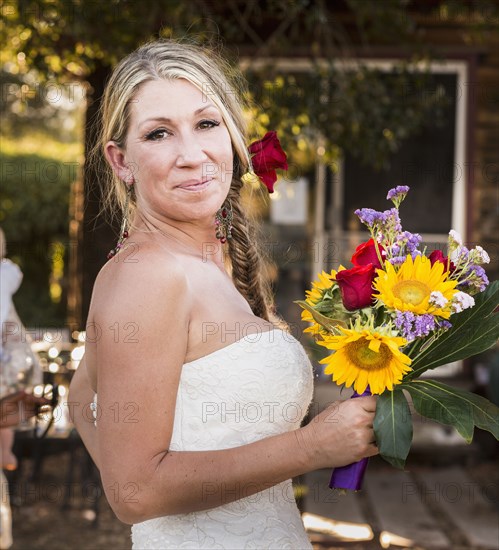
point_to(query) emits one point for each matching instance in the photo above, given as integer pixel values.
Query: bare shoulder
(141, 275)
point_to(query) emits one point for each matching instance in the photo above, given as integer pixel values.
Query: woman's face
(178, 150)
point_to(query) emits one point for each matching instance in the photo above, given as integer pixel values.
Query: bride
(196, 427)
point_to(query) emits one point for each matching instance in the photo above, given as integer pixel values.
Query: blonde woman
(199, 394)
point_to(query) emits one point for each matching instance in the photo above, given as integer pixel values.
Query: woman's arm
(143, 322)
(80, 397)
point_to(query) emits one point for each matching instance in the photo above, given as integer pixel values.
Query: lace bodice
(258, 386)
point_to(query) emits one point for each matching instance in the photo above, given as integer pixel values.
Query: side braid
(245, 259)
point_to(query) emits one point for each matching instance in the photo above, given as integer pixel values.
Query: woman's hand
(18, 407)
(342, 433)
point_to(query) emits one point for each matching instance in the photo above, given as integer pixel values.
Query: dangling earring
(223, 222)
(124, 224)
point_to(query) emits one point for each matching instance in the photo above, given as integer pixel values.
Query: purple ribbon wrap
(350, 477)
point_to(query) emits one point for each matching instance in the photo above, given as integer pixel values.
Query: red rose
(267, 156)
(365, 254)
(438, 256)
(356, 286)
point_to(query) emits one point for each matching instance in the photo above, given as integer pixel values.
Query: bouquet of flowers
(395, 314)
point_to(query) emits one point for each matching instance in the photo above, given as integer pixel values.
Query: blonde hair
(170, 59)
(3, 244)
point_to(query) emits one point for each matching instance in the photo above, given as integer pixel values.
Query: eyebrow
(166, 119)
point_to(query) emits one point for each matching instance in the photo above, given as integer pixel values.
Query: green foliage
(27, 106)
(393, 427)
(328, 323)
(435, 402)
(34, 214)
(474, 330)
(38, 143)
(70, 38)
(461, 409)
(35, 195)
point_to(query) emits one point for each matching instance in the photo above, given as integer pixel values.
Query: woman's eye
(205, 124)
(158, 134)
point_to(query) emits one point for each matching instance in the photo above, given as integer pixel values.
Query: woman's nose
(190, 153)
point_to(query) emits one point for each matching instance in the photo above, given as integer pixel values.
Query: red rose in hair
(267, 156)
(438, 256)
(365, 254)
(356, 286)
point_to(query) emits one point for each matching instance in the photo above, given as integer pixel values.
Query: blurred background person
(18, 367)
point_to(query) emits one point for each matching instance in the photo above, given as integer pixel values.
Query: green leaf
(442, 404)
(393, 427)
(483, 413)
(326, 322)
(473, 331)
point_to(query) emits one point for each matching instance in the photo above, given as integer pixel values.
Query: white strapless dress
(258, 386)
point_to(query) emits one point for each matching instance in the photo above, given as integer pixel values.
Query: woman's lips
(195, 185)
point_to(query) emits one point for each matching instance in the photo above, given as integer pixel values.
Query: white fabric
(10, 280)
(5, 514)
(258, 386)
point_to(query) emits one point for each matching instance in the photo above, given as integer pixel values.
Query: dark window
(425, 162)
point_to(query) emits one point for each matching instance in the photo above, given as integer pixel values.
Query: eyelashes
(161, 133)
(209, 123)
(156, 135)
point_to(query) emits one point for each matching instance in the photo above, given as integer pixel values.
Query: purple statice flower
(392, 220)
(443, 324)
(475, 280)
(368, 216)
(395, 249)
(424, 324)
(397, 260)
(383, 225)
(406, 243)
(480, 274)
(404, 321)
(398, 192)
(382, 222)
(461, 255)
(414, 326)
(412, 241)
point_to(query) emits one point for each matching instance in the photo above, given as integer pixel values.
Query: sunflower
(324, 282)
(366, 358)
(410, 288)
